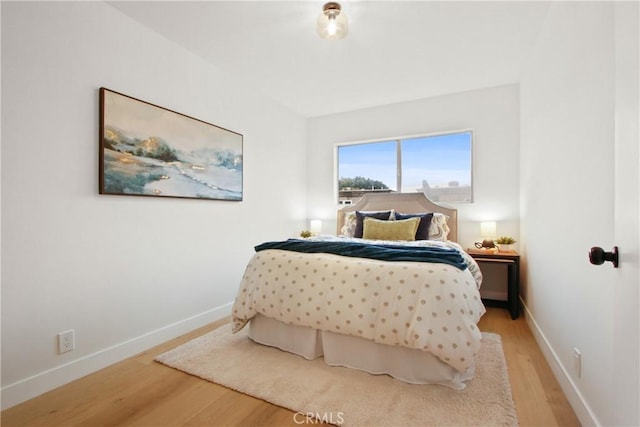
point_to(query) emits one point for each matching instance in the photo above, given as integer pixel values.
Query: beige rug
(346, 396)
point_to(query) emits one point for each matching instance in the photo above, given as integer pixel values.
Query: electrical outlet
(577, 362)
(66, 341)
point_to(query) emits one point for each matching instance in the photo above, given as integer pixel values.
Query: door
(626, 303)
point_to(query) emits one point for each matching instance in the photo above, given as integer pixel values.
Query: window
(438, 165)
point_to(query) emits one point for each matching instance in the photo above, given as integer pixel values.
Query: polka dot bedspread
(428, 306)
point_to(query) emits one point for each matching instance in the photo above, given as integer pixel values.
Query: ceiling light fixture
(332, 23)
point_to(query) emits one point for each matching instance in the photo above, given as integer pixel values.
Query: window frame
(398, 140)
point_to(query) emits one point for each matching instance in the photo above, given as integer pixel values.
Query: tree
(361, 183)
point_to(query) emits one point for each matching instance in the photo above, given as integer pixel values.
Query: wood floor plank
(141, 392)
(180, 406)
(228, 409)
(537, 395)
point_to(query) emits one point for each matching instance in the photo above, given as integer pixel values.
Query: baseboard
(42, 382)
(576, 399)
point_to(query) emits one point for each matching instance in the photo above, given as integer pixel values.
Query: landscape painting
(147, 150)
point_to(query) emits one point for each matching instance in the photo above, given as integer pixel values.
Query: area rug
(345, 396)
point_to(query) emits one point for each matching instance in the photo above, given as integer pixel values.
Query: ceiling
(395, 50)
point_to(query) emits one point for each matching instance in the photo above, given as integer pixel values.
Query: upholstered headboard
(402, 202)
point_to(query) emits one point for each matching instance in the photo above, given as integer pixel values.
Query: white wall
(123, 272)
(567, 170)
(492, 114)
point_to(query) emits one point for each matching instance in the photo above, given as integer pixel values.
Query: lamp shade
(315, 226)
(332, 24)
(488, 230)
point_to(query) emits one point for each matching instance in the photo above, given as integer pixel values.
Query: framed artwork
(147, 150)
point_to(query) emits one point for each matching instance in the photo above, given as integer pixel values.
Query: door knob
(597, 256)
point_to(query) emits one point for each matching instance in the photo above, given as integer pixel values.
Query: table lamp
(488, 233)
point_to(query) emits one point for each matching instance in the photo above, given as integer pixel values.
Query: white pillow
(349, 227)
(439, 230)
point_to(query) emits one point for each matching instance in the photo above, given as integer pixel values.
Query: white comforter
(429, 306)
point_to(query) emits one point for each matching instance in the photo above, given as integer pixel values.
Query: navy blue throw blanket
(383, 252)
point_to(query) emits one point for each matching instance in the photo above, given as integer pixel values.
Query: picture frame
(148, 150)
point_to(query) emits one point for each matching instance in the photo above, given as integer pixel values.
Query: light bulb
(331, 26)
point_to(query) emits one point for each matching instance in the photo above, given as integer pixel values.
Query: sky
(142, 120)
(438, 159)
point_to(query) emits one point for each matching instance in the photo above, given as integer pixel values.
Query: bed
(406, 309)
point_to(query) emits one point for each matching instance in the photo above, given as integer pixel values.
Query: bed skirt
(405, 364)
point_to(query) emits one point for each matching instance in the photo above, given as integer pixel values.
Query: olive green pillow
(376, 229)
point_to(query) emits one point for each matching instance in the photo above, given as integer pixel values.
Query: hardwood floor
(140, 392)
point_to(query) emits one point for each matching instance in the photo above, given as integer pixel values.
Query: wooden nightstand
(512, 261)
